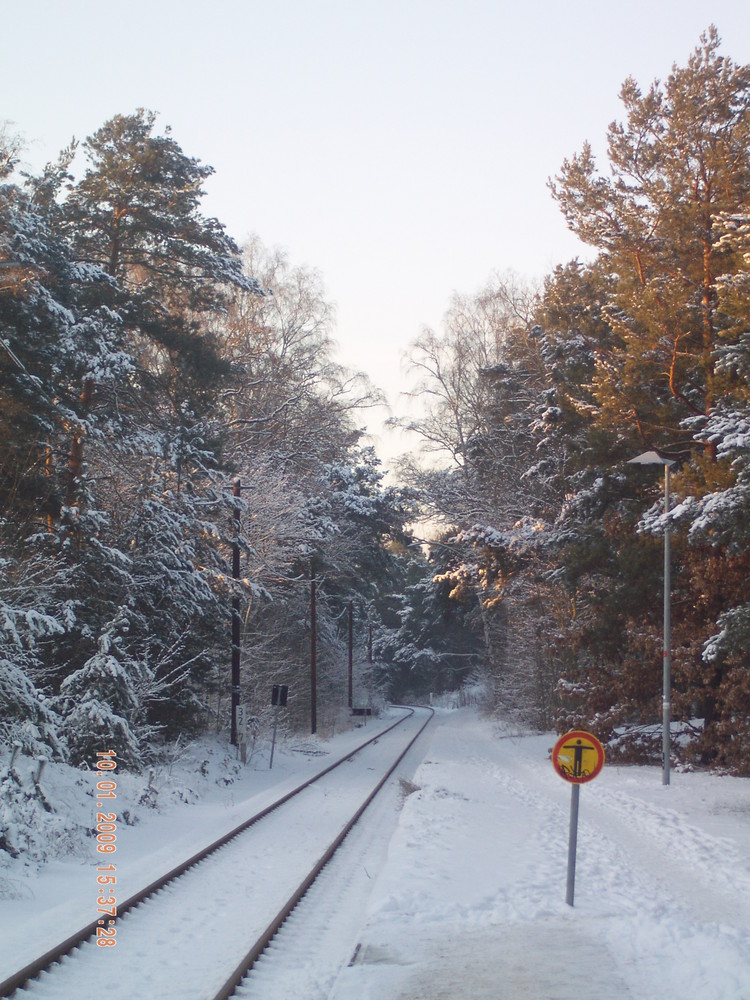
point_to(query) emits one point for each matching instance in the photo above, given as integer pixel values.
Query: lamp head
(650, 458)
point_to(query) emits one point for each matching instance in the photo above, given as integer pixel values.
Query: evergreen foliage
(645, 348)
(147, 365)
(142, 371)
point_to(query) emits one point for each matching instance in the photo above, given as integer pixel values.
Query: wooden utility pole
(236, 613)
(313, 656)
(351, 651)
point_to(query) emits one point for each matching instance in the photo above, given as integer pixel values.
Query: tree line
(540, 396)
(147, 365)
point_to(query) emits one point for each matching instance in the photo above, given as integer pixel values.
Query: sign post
(577, 757)
(241, 731)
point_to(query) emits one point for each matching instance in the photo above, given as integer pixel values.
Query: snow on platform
(471, 903)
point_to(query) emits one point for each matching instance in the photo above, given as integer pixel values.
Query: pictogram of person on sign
(578, 749)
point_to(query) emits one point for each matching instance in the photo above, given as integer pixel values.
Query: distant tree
(484, 381)
(54, 339)
(667, 223)
(717, 522)
(681, 158)
(135, 214)
(288, 396)
(428, 641)
(311, 496)
(143, 455)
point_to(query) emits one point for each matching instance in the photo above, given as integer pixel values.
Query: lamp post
(653, 458)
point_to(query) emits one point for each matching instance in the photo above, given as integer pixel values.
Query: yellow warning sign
(578, 756)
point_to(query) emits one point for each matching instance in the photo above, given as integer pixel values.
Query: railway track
(255, 875)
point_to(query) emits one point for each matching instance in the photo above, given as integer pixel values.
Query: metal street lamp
(653, 458)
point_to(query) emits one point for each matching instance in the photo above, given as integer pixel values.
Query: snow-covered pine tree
(104, 702)
(719, 521)
(144, 499)
(32, 613)
(679, 159)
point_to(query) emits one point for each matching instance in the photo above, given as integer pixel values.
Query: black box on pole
(279, 694)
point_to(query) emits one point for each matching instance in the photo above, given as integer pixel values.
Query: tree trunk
(75, 461)
(709, 336)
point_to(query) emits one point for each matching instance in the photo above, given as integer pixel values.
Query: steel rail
(38, 965)
(252, 956)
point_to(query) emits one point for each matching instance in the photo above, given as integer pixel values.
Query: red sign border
(580, 733)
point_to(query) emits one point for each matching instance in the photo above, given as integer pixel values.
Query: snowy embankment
(468, 902)
(200, 792)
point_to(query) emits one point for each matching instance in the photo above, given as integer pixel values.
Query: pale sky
(400, 147)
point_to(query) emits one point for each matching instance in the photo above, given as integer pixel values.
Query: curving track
(169, 943)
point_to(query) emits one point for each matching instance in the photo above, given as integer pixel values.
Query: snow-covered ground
(471, 901)
(468, 896)
(199, 793)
